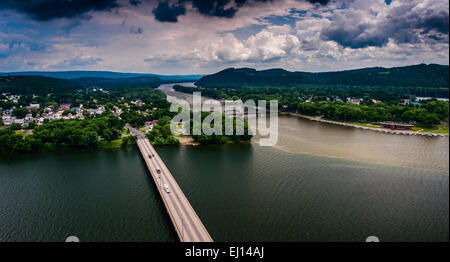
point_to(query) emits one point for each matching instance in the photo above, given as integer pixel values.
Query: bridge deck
(185, 220)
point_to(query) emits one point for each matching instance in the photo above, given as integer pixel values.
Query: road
(184, 218)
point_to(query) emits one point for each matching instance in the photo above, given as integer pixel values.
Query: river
(319, 183)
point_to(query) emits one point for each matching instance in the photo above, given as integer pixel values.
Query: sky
(206, 36)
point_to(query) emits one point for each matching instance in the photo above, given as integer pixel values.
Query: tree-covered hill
(106, 82)
(37, 85)
(421, 75)
(101, 74)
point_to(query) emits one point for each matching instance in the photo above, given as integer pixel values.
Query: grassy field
(444, 130)
(113, 144)
(364, 124)
(441, 129)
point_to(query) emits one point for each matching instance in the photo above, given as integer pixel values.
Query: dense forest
(222, 139)
(108, 82)
(75, 134)
(37, 85)
(103, 75)
(408, 76)
(374, 92)
(430, 113)
(161, 134)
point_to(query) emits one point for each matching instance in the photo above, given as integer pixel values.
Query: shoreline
(189, 141)
(380, 130)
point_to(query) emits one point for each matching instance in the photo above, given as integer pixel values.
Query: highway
(187, 224)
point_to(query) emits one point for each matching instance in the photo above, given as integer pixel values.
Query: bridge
(187, 224)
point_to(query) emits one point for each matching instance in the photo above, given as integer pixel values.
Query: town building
(65, 106)
(356, 101)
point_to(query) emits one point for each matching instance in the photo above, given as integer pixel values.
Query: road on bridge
(184, 218)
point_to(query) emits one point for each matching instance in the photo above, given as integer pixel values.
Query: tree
(108, 135)
(128, 141)
(124, 142)
(66, 112)
(91, 139)
(20, 112)
(429, 119)
(15, 126)
(132, 140)
(31, 125)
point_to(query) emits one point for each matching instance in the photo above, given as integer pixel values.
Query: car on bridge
(158, 171)
(150, 156)
(166, 187)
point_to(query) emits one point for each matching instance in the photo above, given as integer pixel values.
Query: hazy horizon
(200, 74)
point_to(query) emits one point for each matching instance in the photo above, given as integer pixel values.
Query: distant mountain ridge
(105, 82)
(99, 74)
(421, 75)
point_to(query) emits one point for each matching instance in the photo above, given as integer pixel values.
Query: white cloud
(199, 44)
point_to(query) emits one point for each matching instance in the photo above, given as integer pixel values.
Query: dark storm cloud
(216, 8)
(350, 34)
(165, 10)
(135, 2)
(322, 2)
(168, 13)
(212, 8)
(407, 23)
(43, 10)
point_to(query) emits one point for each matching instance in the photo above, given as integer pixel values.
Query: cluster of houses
(50, 113)
(39, 115)
(11, 98)
(356, 101)
(136, 102)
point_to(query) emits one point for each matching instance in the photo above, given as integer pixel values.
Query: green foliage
(427, 114)
(161, 135)
(133, 118)
(31, 125)
(128, 141)
(136, 116)
(76, 134)
(388, 85)
(414, 76)
(15, 126)
(38, 85)
(20, 112)
(115, 82)
(66, 112)
(222, 139)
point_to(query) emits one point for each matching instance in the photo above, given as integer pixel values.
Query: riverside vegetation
(119, 104)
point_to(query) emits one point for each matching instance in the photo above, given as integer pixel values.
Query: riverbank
(190, 141)
(365, 126)
(187, 141)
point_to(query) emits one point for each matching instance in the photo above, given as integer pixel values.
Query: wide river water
(319, 183)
